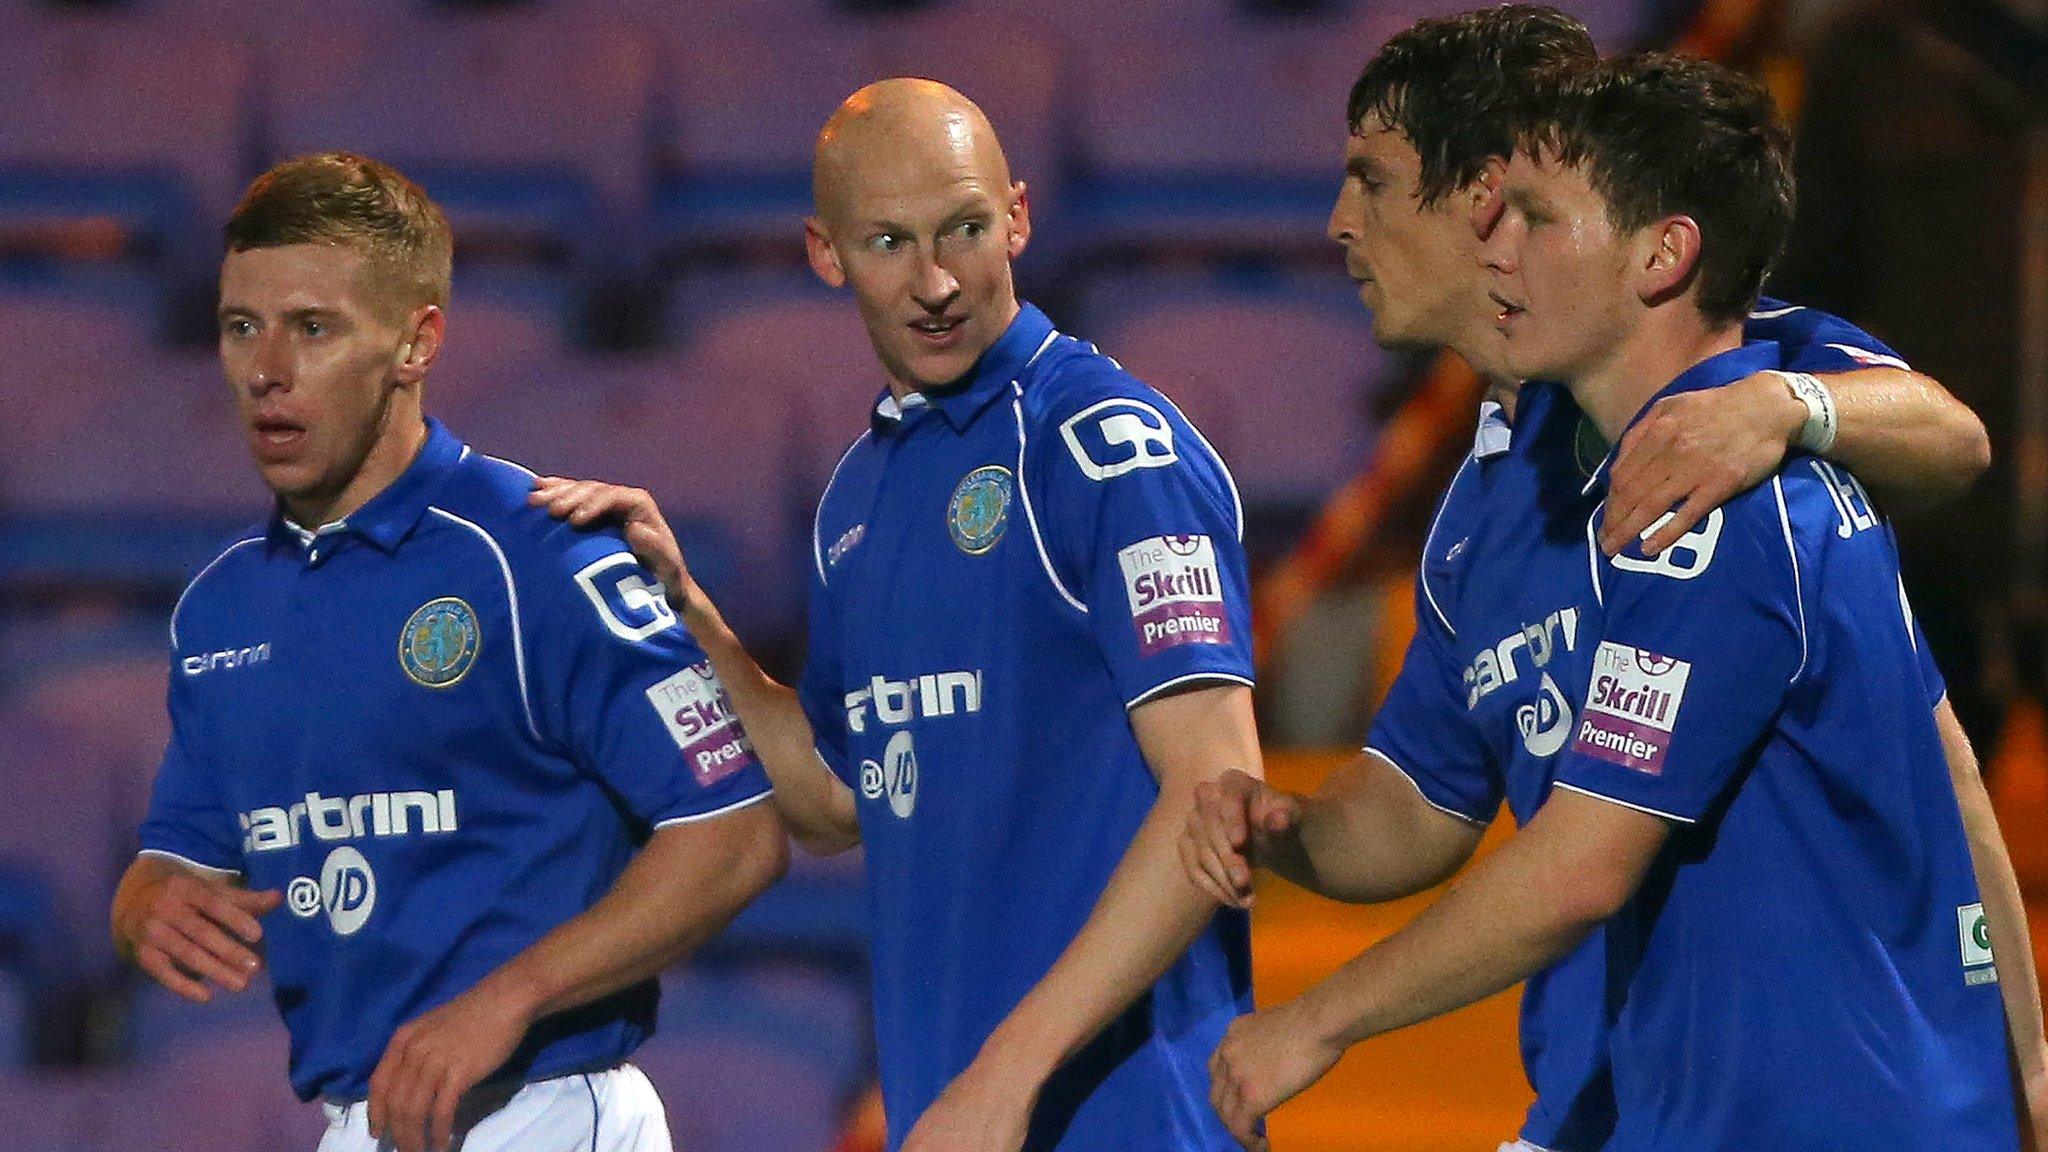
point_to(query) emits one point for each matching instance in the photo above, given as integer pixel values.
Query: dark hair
(343, 199)
(1456, 85)
(1661, 135)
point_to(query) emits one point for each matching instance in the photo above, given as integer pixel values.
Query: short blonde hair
(343, 199)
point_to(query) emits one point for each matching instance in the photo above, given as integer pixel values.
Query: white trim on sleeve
(1451, 812)
(1218, 677)
(188, 862)
(1429, 549)
(1622, 803)
(714, 813)
(818, 516)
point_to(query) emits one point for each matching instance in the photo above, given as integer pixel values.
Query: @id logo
(438, 645)
(346, 892)
(895, 777)
(980, 509)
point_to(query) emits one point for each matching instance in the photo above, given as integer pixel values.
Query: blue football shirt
(1001, 570)
(1486, 697)
(1804, 966)
(441, 727)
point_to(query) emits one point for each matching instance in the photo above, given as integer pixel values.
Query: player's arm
(1900, 432)
(1366, 835)
(818, 808)
(678, 891)
(188, 927)
(2006, 915)
(1148, 915)
(1521, 909)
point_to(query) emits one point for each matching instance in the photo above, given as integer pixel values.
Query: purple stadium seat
(1278, 378)
(744, 99)
(528, 129)
(116, 130)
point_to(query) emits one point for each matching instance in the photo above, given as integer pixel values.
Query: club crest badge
(980, 509)
(439, 642)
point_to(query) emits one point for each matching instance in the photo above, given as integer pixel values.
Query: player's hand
(1693, 452)
(1230, 832)
(197, 932)
(1265, 1060)
(433, 1060)
(587, 502)
(980, 1111)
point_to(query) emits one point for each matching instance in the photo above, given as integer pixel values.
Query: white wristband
(1817, 435)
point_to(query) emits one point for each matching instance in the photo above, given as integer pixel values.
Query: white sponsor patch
(1974, 929)
(700, 718)
(629, 601)
(1175, 591)
(1116, 436)
(1631, 707)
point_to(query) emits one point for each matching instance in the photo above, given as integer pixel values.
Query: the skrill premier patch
(1175, 591)
(1631, 707)
(700, 718)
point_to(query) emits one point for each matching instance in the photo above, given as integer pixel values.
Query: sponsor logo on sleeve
(1975, 930)
(1631, 707)
(699, 717)
(628, 600)
(1175, 591)
(1116, 436)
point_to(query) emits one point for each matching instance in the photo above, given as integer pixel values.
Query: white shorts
(1520, 1146)
(611, 1111)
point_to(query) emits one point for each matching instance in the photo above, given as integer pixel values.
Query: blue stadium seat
(529, 130)
(1278, 372)
(118, 137)
(1227, 133)
(743, 102)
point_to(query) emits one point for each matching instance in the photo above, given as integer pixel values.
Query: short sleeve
(1143, 528)
(1697, 650)
(820, 689)
(1424, 729)
(1931, 678)
(1810, 340)
(187, 819)
(630, 695)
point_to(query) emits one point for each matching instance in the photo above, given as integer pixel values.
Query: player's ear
(1485, 197)
(429, 325)
(1019, 219)
(1667, 256)
(819, 251)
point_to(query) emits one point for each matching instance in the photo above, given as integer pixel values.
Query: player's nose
(270, 366)
(936, 286)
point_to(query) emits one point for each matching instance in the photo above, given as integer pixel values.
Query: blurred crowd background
(626, 179)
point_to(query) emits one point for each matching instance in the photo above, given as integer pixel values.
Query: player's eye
(970, 229)
(237, 327)
(313, 328)
(886, 242)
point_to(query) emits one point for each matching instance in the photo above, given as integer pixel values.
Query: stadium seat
(744, 100)
(529, 130)
(117, 136)
(1220, 133)
(1278, 373)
